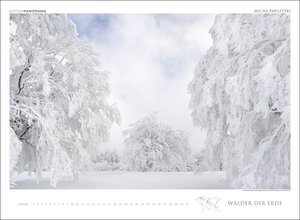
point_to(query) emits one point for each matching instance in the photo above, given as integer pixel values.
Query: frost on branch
(241, 95)
(58, 96)
(153, 146)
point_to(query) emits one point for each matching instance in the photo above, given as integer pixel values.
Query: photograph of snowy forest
(149, 101)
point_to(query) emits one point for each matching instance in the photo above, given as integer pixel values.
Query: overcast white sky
(151, 59)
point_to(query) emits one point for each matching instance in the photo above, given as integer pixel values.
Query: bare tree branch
(27, 66)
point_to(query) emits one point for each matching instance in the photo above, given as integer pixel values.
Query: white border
(10, 198)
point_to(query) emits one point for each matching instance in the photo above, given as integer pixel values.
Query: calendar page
(149, 110)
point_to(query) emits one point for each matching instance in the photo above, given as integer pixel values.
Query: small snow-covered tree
(200, 162)
(153, 146)
(107, 161)
(58, 96)
(241, 96)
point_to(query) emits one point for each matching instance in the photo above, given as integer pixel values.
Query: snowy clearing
(130, 180)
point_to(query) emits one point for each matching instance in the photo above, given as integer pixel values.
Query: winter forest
(216, 116)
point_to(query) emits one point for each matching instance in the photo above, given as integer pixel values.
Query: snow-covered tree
(153, 146)
(241, 96)
(58, 96)
(107, 161)
(200, 162)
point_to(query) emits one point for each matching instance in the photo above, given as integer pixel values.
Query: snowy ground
(130, 180)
